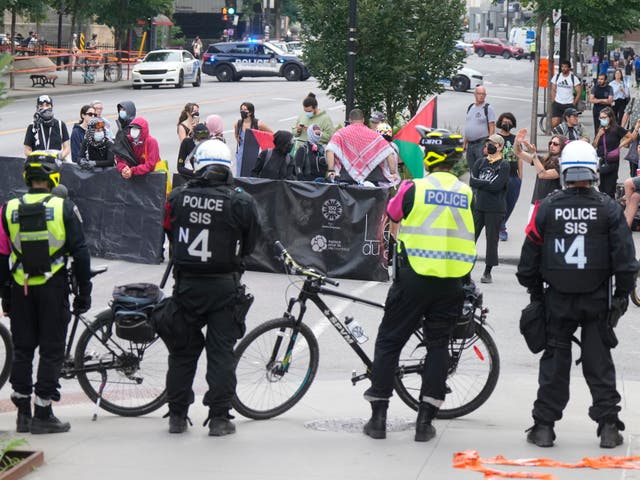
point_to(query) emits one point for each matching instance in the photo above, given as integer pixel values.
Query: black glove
(82, 301)
(81, 304)
(6, 299)
(619, 305)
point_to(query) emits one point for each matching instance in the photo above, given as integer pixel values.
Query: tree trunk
(277, 34)
(551, 72)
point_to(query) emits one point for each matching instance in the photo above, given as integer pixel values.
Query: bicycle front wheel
(132, 375)
(6, 354)
(473, 373)
(276, 364)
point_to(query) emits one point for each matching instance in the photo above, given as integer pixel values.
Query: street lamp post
(351, 57)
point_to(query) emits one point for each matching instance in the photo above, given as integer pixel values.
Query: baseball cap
(570, 112)
(44, 98)
(497, 139)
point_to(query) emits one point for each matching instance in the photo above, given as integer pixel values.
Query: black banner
(122, 218)
(336, 229)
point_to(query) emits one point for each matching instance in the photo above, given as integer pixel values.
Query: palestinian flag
(408, 139)
(254, 142)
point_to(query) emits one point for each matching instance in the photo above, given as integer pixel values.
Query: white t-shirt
(564, 87)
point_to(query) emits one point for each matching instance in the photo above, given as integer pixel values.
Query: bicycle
(278, 360)
(109, 368)
(6, 354)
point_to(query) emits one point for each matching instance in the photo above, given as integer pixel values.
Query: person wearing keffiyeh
(96, 150)
(356, 154)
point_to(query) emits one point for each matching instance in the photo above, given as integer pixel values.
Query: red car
(495, 46)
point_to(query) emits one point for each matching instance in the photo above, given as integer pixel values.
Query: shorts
(557, 109)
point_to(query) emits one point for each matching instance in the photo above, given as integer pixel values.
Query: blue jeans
(513, 192)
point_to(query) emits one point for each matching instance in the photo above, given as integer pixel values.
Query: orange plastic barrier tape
(470, 460)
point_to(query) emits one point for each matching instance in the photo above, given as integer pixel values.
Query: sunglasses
(557, 144)
(91, 114)
(44, 99)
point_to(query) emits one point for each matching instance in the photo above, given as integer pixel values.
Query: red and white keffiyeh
(359, 150)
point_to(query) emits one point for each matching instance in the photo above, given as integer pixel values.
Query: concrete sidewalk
(23, 86)
(321, 438)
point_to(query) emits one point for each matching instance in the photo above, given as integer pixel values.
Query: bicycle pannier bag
(132, 306)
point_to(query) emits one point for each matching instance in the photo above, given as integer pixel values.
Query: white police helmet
(579, 162)
(211, 152)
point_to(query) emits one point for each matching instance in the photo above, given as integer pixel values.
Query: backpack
(267, 158)
(573, 78)
(310, 168)
(486, 113)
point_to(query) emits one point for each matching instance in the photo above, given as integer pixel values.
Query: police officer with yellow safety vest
(41, 231)
(435, 250)
(576, 240)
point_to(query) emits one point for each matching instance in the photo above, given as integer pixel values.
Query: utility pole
(351, 57)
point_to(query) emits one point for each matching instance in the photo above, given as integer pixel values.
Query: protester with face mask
(142, 153)
(96, 149)
(506, 123)
(601, 96)
(609, 139)
(489, 177)
(247, 121)
(46, 132)
(312, 115)
(276, 163)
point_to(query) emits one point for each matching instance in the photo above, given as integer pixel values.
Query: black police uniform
(40, 318)
(212, 226)
(577, 239)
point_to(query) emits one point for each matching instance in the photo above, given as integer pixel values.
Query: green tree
(121, 15)
(403, 48)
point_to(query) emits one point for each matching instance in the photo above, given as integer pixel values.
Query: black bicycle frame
(311, 291)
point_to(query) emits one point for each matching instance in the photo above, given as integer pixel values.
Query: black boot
(220, 424)
(609, 433)
(23, 422)
(541, 435)
(178, 422)
(376, 427)
(425, 431)
(44, 421)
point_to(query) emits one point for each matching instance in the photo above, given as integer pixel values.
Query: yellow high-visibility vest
(55, 234)
(438, 235)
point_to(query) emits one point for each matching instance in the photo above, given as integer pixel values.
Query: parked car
(465, 79)
(495, 46)
(167, 67)
(230, 61)
(465, 47)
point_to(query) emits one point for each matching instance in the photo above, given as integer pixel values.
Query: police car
(465, 79)
(167, 67)
(230, 61)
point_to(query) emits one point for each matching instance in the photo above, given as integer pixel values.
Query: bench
(43, 79)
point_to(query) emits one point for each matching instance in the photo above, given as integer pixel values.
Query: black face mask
(506, 127)
(491, 148)
(244, 115)
(45, 115)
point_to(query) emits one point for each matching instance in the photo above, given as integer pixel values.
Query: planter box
(29, 460)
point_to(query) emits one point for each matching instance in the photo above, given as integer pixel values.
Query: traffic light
(224, 11)
(231, 7)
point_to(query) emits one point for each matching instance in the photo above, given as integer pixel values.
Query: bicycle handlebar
(299, 269)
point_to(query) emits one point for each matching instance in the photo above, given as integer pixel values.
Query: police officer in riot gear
(42, 231)
(432, 220)
(211, 226)
(576, 241)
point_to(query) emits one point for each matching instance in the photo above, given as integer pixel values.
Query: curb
(30, 92)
